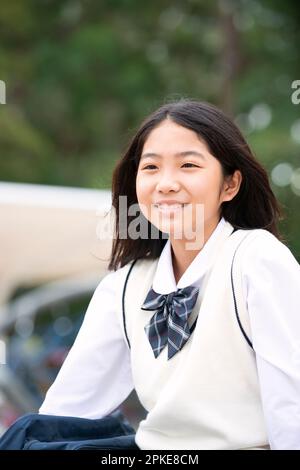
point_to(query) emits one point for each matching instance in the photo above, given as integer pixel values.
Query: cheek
(198, 187)
(138, 185)
(207, 183)
(142, 189)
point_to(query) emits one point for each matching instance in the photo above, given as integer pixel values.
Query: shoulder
(263, 253)
(108, 291)
(114, 280)
(111, 279)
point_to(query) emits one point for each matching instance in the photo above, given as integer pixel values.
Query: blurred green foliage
(82, 74)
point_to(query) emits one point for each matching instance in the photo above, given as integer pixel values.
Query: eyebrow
(179, 154)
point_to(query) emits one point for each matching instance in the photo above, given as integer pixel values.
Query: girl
(200, 312)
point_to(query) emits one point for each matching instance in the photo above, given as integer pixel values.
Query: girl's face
(179, 184)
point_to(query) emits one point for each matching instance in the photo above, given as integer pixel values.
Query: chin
(173, 231)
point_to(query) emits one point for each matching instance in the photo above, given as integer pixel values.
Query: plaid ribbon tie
(169, 325)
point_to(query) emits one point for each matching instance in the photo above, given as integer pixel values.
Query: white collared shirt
(96, 377)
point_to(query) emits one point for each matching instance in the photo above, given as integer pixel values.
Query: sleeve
(272, 281)
(96, 375)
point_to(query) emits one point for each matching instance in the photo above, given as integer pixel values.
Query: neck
(183, 257)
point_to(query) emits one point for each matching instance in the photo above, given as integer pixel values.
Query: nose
(167, 183)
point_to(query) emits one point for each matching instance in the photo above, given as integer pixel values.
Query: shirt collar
(164, 280)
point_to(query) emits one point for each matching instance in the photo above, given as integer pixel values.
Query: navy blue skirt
(47, 432)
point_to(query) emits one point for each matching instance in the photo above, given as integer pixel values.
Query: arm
(271, 277)
(96, 375)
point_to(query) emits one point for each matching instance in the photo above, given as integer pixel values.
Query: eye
(191, 164)
(147, 167)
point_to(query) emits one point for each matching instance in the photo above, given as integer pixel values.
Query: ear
(231, 186)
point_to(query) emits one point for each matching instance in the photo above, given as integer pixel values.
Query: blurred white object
(49, 233)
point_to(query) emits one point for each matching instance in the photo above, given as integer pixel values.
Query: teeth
(167, 206)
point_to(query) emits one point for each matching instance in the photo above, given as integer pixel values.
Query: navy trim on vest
(123, 300)
(234, 300)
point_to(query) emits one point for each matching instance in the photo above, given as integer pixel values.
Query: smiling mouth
(167, 208)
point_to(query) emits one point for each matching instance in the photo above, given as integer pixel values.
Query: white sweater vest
(207, 396)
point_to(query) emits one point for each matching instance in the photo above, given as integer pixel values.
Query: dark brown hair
(254, 206)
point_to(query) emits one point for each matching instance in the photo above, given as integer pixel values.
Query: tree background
(81, 74)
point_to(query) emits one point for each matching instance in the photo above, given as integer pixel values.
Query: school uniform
(216, 392)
